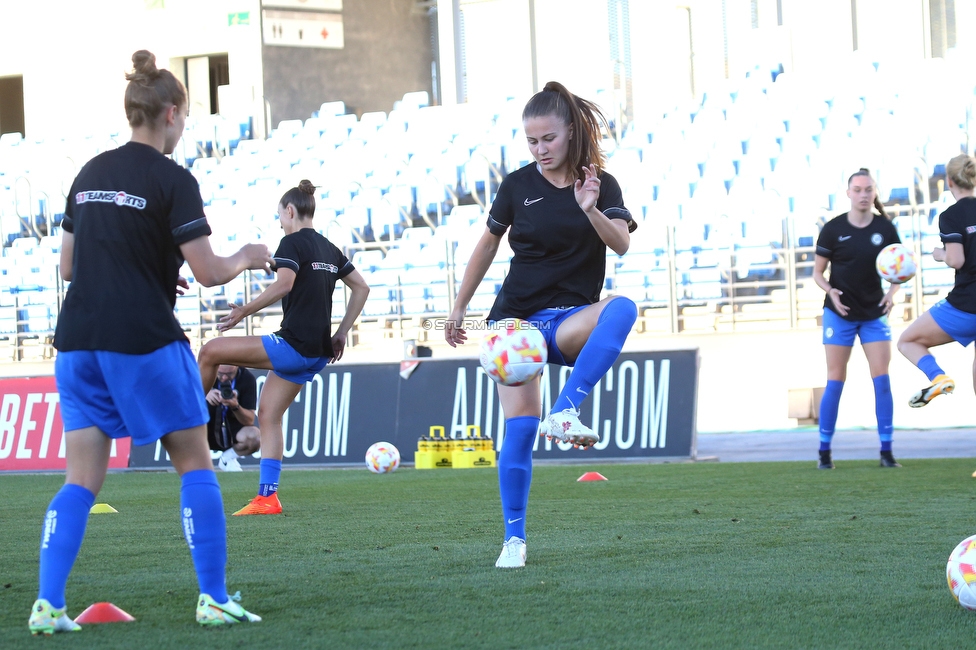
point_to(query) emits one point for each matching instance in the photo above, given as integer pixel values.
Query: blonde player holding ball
(562, 212)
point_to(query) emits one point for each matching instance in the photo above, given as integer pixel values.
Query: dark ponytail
(880, 207)
(585, 118)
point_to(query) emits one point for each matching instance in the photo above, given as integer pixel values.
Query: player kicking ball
(562, 212)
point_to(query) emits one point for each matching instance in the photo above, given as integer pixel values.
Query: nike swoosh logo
(512, 521)
(242, 618)
(844, 238)
(528, 202)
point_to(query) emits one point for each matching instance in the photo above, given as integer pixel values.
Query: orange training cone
(103, 613)
(592, 476)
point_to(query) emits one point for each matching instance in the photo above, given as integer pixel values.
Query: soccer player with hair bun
(124, 367)
(562, 212)
(856, 305)
(308, 266)
(954, 317)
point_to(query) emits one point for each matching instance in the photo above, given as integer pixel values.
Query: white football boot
(513, 554)
(565, 426)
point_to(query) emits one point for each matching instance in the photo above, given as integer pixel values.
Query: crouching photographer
(231, 429)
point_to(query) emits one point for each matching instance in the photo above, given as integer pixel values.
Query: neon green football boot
(47, 620)
(209, 612)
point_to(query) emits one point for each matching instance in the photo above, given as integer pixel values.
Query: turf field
(707, 556)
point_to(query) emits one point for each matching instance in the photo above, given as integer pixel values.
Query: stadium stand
(729, 190)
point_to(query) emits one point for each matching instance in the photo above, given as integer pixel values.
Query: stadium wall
(387, 52)
(72, 71)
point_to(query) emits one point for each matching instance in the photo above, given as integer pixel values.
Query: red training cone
(592, 476)
(103, 613)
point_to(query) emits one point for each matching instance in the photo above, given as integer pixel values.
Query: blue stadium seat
(38, 320)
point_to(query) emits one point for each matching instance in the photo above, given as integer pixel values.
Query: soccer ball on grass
(961, 573)
(382, 458)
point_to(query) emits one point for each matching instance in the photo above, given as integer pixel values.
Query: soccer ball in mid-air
(382, 457)
(896, 263)
(514, 353)
(961, 572)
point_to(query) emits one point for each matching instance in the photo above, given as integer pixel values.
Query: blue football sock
(515, 472)
(829, 404)
(270, 473)
(884, 408)
(931, 369)
(64, 530)
(205, 529)
(598, 353)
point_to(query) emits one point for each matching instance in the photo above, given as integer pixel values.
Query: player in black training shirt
(562, 212)
(856, 305)
(954, 317)
(308, 266)
(124, 366)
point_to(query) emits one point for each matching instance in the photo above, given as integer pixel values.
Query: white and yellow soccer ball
(896, 263)
(961, 572)
(382, 458)
(514, 353)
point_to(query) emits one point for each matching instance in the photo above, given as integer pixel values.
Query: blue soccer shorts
(958, 324)
(839, 331)
(142, 396)
(288, 363)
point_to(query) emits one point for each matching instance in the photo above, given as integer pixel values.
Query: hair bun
(144, 62)
(306, 186)
(144, 67)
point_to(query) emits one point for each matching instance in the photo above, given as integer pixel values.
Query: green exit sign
(239, 18)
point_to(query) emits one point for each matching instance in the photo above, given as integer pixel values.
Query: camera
(226, 390)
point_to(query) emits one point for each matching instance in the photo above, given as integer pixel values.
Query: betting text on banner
(31, 432)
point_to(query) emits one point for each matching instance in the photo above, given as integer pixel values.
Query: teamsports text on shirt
(111, 196)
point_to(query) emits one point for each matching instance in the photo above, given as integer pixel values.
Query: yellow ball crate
(473, 450)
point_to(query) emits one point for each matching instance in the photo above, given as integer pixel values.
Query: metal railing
(707, 288)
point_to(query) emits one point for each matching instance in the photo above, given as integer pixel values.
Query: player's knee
(248, 441)
(206, 356)
(903, 342)
(268, 419)
(248, 447)
(624, 309)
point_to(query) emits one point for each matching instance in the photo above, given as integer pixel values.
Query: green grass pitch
(683, 555)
